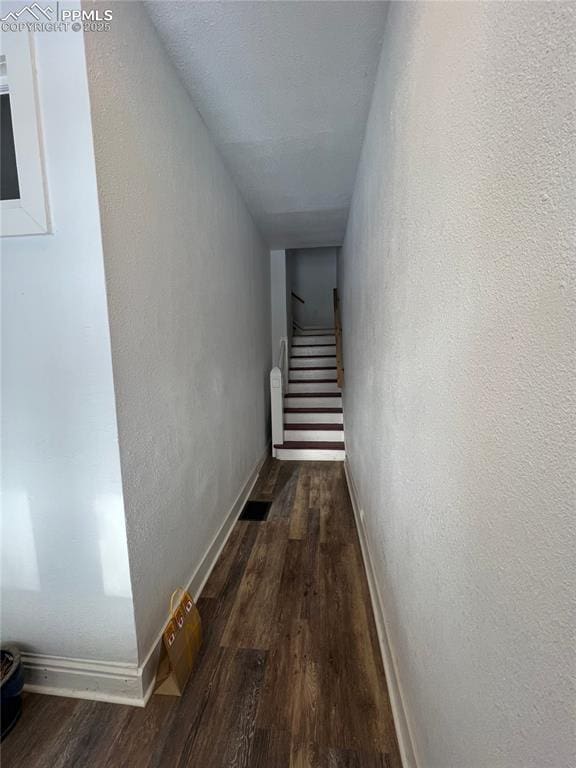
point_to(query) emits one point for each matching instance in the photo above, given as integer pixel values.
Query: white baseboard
(405, 740)
(80, 679)
(202, 573)
(200, 576)
(125, 683)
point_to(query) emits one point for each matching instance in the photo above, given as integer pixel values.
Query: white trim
(277, 407)
(278, 386)
(80, 679)
(125, 683)
(397, 701)
(29, 214)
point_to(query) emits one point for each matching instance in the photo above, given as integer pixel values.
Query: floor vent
(256, 510)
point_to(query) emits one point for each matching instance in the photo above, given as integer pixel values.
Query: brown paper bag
(181, 643)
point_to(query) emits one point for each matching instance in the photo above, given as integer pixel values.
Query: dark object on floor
(256, 510)
(12, 684)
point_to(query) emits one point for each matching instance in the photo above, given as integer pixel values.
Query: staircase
(313, 420)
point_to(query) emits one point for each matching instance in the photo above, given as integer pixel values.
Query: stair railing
(278, 386)
(338, 338)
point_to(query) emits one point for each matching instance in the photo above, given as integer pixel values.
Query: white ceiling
(284, 88)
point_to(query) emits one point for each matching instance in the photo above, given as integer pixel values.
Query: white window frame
(29, 215)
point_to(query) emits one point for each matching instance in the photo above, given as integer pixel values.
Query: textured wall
(313, 278)
(458, 312)
(64, 552)
(189, 294)
(278, 299)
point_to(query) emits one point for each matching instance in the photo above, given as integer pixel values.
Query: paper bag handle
(187, 628)
(179, 589)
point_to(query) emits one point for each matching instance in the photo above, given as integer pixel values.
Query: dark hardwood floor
(289, 675)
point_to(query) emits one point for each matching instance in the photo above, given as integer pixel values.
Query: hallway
(322, 253)
(290, 673)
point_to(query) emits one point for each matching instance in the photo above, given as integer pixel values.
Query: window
(9, 187)
(23, 200)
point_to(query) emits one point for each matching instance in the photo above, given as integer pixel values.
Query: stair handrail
(279, 385)
(338, 339)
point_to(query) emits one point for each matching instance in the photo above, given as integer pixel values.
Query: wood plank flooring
(289, 675)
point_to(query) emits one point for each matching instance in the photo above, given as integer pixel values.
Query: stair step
(327, 445)
(311, 381)
(320, 450)
(315, 350)
(315, 332)
(308, 436)
(324, 361)
(312, 374)
(308, 425)
(313, 399)
(312, 410)
(313, 416)
(308, 341)
(313, 394)
(311, 387)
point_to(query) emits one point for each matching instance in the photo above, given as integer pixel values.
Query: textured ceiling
(284, 88)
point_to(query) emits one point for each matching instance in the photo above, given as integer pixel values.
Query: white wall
(458, 315)
(65, 578)
(188, 281)
(278, 301)
(313, 275)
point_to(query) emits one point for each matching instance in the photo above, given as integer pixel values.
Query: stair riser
(313, 418)
(312, 332)
(312, 402)
(304, 454)
(326, 435)
(312, 374)
(329, 349)
(312, 362)
(322, 386)
(304, 340)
